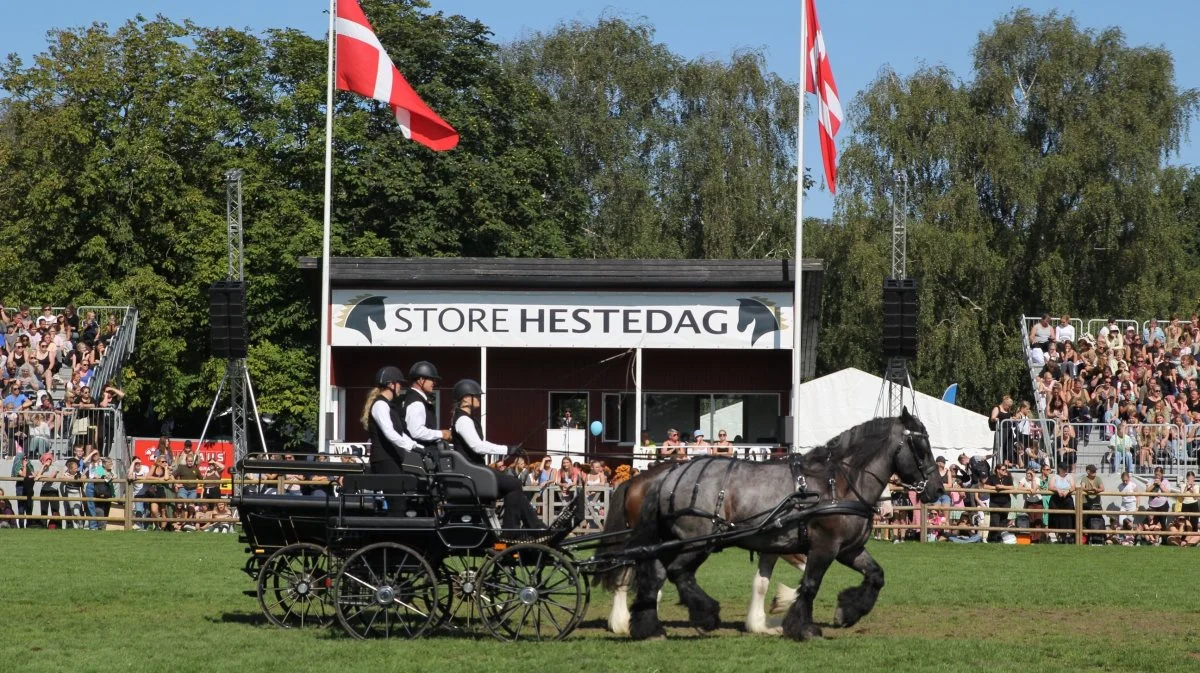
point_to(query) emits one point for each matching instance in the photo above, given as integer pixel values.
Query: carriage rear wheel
(531, 592)
(386, 590)
(293, 587)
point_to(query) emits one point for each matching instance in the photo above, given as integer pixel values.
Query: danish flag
(818, 79)
(364, 67)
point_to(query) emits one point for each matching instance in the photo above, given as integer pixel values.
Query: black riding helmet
(467, 387)
(388, 374)
(424, 369)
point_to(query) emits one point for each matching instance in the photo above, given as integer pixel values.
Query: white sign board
(565, 442)
(732, 320)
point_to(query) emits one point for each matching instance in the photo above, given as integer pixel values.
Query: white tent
(834, 403)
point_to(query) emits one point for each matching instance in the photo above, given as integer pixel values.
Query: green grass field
(77, 601)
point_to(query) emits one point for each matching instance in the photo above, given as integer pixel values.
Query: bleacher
(62, 423)
(1173, 442)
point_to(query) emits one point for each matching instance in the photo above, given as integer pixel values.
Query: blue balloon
(596, 427)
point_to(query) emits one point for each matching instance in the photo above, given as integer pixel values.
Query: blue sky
(862, 36)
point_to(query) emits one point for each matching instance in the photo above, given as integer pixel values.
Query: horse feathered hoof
(801, 632)
(645, 626)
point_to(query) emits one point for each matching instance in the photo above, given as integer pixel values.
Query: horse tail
(614, 523)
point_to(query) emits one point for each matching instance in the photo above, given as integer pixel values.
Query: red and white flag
(364, 67)
(818, 79)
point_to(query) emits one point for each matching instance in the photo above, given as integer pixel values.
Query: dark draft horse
(697, 498)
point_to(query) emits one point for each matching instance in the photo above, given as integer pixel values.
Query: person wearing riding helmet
(467, 436)
(420, 417)
(384, 422)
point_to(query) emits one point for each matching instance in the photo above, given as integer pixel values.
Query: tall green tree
(114, 147)
(676, 158)
(1040, 184)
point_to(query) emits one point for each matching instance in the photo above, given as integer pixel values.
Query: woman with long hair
(382, 418)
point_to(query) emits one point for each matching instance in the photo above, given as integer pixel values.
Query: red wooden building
(650, 344)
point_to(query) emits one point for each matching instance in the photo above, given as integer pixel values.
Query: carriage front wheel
(293, 587)
(531, 592)
(386, 590)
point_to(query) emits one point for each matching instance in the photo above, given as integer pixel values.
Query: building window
(618, 417)
(561, 403)
(746, 418)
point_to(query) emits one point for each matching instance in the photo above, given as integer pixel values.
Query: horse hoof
(657, 637)
(805, 632)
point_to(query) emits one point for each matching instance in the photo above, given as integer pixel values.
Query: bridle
(905, 441)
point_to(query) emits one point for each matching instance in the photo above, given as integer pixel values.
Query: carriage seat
(456, 475)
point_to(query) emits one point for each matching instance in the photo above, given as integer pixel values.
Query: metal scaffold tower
(237, 377)
(897, 383)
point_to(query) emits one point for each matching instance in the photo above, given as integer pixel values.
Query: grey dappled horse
(710, 495)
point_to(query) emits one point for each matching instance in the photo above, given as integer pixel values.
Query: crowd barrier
(1092, 442)
(131, 506)
(1079, 531)
(59, 432)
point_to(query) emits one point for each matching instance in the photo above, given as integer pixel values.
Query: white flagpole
(323, 405)
(798, 256)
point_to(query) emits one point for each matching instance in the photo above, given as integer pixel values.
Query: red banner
(220, 451)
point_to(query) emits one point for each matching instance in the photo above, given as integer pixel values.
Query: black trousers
(997, 520)
(518, 512)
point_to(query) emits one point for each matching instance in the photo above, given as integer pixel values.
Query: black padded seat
(398, 523)
(451, 464)
(299, 504)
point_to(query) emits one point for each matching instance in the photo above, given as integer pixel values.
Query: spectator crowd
(1138, 390)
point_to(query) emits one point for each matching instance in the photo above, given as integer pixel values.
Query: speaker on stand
(899, 345)
(227, 319)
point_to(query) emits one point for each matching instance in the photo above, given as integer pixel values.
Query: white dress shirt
(417, 426)
(381, 411)
(465, 427)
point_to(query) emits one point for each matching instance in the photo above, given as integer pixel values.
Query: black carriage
(397, 555)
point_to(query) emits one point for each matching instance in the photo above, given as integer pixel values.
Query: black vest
(414, 397)
(460, 444)
(382, 450)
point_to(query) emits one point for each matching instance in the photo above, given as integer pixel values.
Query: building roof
(496, 272)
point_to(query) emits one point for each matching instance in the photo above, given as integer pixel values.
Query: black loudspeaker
(227, 318)
(899, 318)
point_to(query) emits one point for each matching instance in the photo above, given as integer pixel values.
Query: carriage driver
(420, 418)
(467, 435)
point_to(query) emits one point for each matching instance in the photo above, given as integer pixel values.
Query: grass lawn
(77, 601)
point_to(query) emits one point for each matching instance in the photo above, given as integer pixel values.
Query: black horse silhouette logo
(361, 312)
(760, 312)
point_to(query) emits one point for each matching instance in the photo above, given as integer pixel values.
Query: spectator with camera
(1158, 489)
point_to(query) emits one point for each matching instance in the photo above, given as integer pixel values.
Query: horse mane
(854, 447)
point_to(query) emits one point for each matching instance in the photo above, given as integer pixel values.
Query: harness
(790, 511)
(719, 522)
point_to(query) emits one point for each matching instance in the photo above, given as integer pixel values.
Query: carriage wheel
(293, 587)
(386, 590)
(531, 592)
(459, 580)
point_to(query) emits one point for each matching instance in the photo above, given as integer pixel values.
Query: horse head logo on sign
(360, 312)
(760, 312)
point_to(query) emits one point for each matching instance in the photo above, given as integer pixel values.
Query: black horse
(843, 480)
